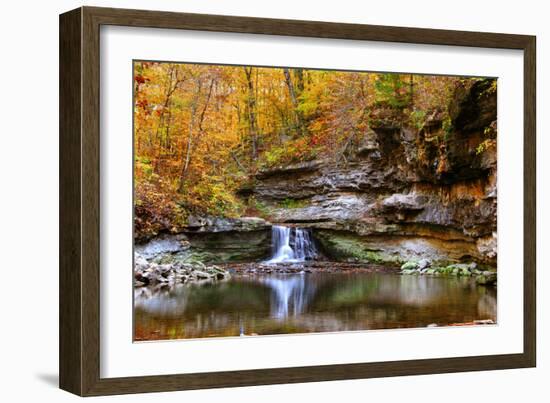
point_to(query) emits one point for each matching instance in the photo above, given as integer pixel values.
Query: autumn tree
(202, 131)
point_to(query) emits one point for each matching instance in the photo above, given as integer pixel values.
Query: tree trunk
(299, 73)
(174, 82)
(299, 121)
(194, 105)
(234, 156)
(411, 90)
(192, 124)
(251, 103)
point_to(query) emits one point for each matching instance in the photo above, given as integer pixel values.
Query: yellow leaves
(205, 129)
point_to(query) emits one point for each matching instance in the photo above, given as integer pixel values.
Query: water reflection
(304, 303)
(288, 292)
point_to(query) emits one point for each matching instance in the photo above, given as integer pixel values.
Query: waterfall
(291, 245)
(304, 247)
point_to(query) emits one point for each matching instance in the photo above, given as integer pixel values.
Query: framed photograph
(250, 201)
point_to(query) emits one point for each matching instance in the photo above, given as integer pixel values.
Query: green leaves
(392, 90)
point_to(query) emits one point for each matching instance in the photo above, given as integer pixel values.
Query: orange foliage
(200, 131)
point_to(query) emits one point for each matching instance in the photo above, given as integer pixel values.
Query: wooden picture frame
(80, 184)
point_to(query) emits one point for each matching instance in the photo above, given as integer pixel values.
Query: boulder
(409, 266)
(424, 264)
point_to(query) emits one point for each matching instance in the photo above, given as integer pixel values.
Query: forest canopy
(201, 132)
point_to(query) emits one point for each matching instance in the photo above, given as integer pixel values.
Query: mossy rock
(346, 247)
(411, 265)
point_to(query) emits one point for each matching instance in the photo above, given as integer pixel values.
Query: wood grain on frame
(79, 200)
(70, 274)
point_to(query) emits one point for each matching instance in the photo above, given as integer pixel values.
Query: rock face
(407, 193)
(161, 245)
(209, 224)
(223, 240)
(212, 240)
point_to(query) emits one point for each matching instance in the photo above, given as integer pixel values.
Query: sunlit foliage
(202, 131)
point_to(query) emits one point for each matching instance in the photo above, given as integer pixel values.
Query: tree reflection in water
(302, 303)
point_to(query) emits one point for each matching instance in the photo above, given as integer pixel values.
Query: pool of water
(305, 303)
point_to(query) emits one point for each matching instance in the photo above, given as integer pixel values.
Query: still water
(303, 303)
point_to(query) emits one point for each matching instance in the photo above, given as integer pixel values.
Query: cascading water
(291, 245)
(280, 241)
(304, 247)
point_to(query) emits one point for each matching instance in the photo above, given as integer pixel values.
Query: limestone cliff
(408, 191)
